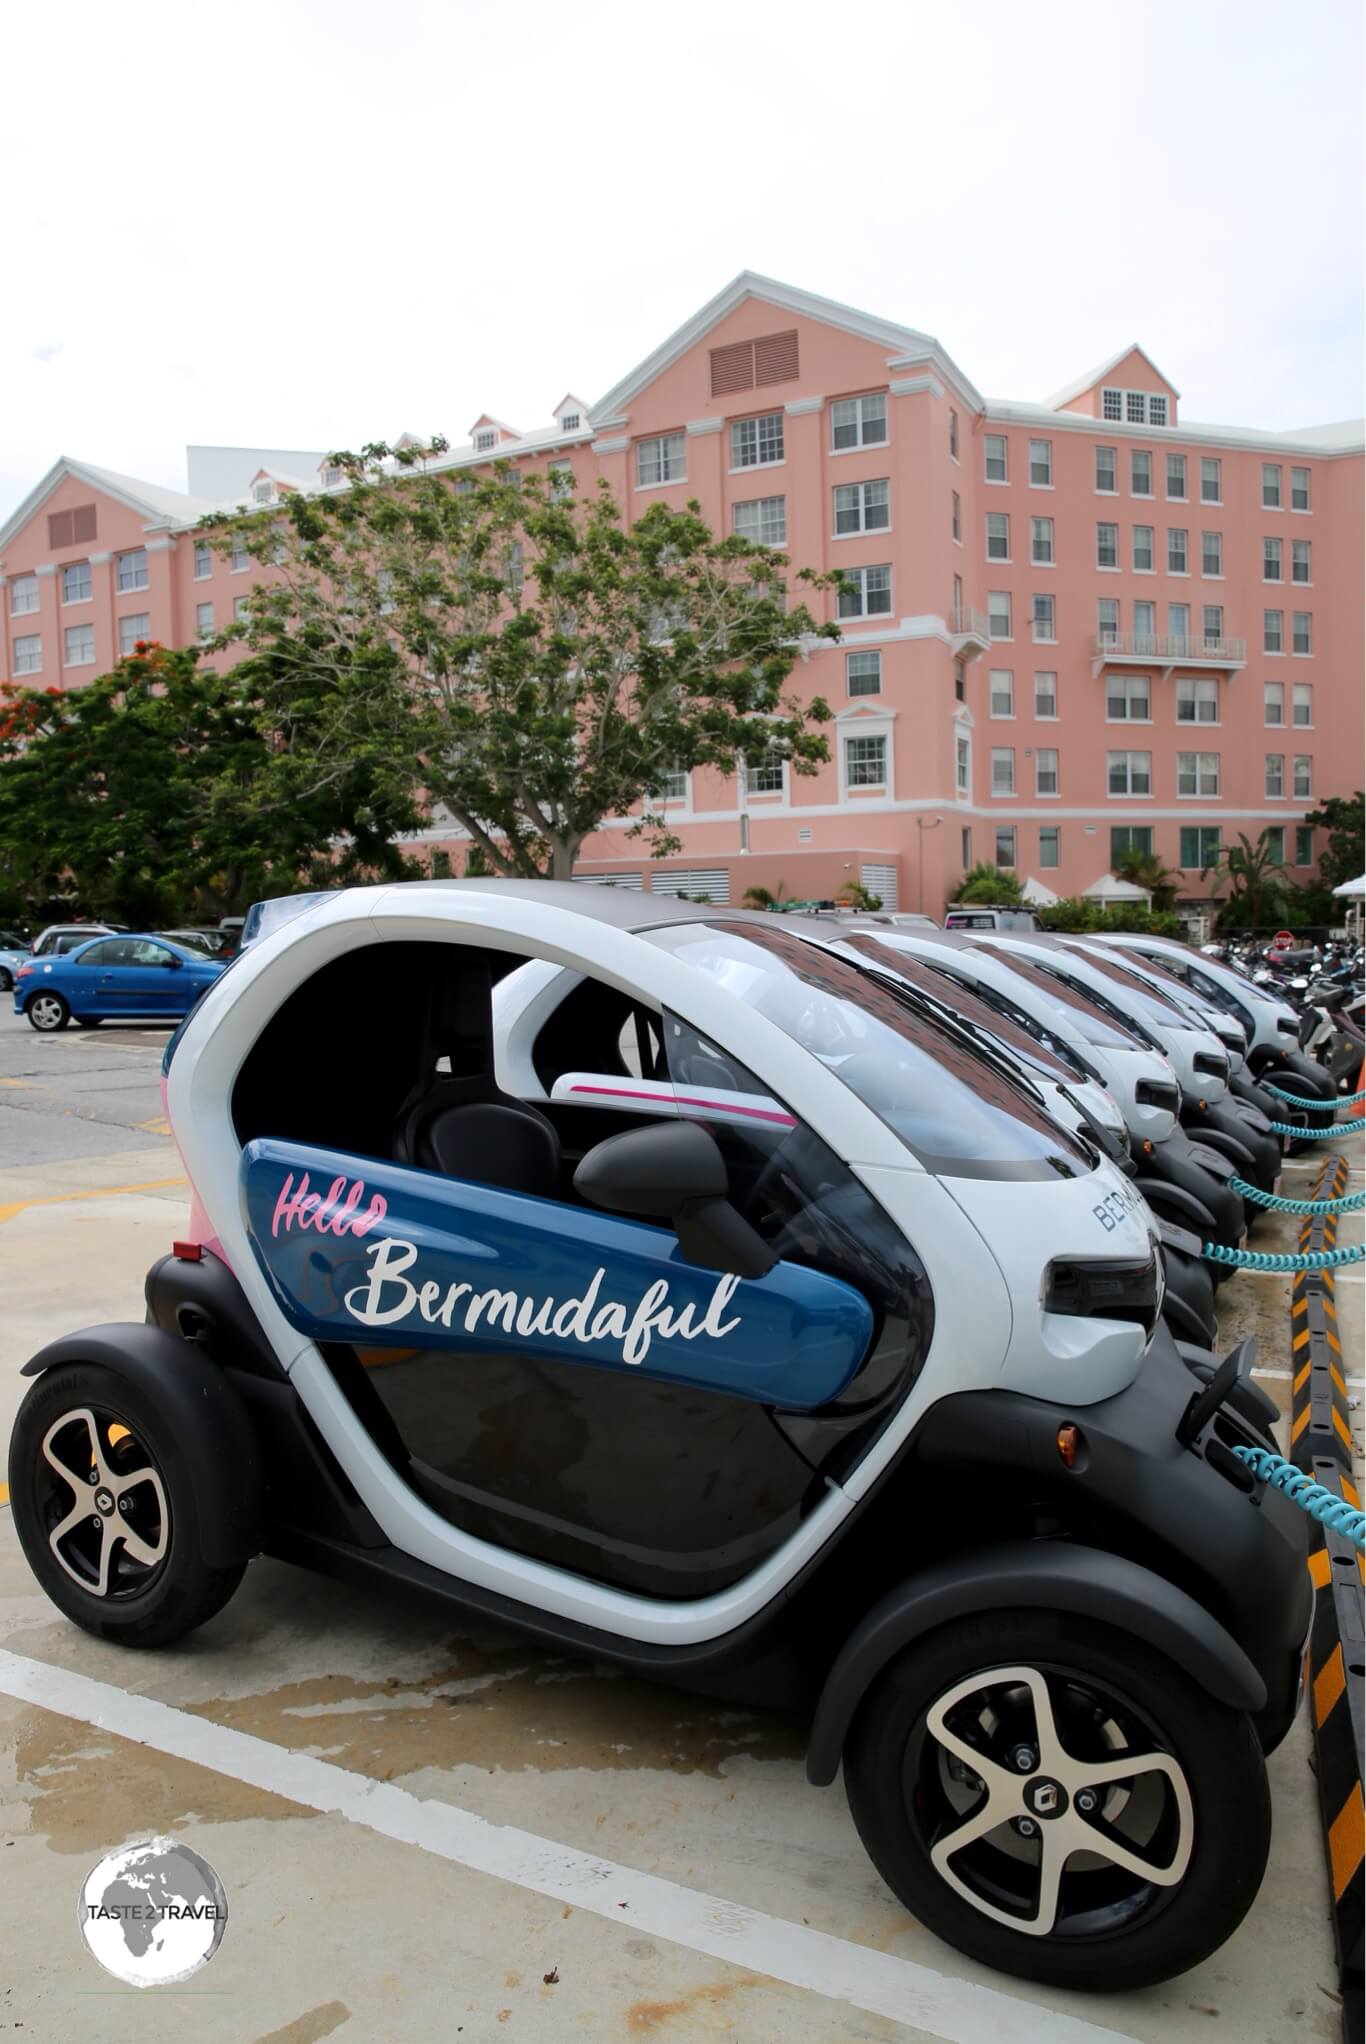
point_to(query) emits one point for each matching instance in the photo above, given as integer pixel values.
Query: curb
(1321, 1444)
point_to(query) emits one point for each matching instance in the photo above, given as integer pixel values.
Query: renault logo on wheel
(1045, 1797)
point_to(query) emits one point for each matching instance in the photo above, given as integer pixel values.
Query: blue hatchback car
(131, 977)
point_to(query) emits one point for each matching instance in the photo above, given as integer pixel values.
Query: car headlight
(1105, 1288)
(1158, 1093)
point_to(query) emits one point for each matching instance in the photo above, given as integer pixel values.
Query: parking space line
(57, 1199)
(954, 2010)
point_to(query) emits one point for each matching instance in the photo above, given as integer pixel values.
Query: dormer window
(485, 440)
(570, 422)
(332, 476)
(1135, 407)
(263, 491)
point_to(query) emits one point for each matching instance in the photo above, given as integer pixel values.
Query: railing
(966, 622)
(1175, 646)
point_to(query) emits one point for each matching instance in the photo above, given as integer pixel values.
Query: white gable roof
(1094, 376)
(157, 505)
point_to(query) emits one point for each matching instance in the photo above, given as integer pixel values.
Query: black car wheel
(106, 1512)
(47, 1011)
(1059, 1801)
(6, 980)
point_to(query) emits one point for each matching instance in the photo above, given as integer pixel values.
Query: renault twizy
(728, 1320)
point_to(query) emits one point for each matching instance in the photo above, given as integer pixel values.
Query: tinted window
(964, 1003)
(1149, 1002)
(98, 954)
(1094, 1023)
(955, 1110)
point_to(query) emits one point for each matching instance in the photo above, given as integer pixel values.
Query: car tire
(131, 1569)
(48, 1011)
(6, 980)
(87, 1021)
(1199, 1817)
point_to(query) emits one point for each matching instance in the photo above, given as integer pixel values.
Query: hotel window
(865, 762)
(997, 458)
(1275, 843)
(1199, 847)
(1302, 777)
(241, 610)
(485, 440)
(1045, 620)
(132, 570)
(862, 507)
(1197, 700)
(560, 477)
(1107, 620)
(1041, 464)
(23, 595)
(1302, 705)
(1211, 481)
(767, 777)
(1275, 776)
(1178, 550)
(263, 492)
(1002, 690)
(1271, 560)
(76, 582)
(1273, 702)
(960, 680)
(998, 536)
(28, 654)
(1179, 620)
(570, 422)
(1273, 631)
(1197, 773)
(1041, 542)
(1301, 632)
(1005, 845)
(79, 642)
(1046, 696)
(953, 433)
(332, 475)
(1129, 773)
(962, 770)
(757, 443)
(1107, 546)
(1046, 771)
(1211, 553)
(670, 786)
(1136, 407)
(1157, 410)
(1130, 837)
(1112, 404)
(1304, 846)
(1143, 550)
(203, 560)
(762, 521)
(240, 559)
(132, 630)
(998, 614)
(1299, 491)
(1145, 625)
(1128, 699)
(1176, 478)
(863, 674)
(1140, 473)
(1050, 839)
(1106, 476)
(858, 422)
(1214, 623)
(1271, 486)
(663, 459)
(1003, 770)
(866, 592)
(956, 517)
(1300, 561)
(203, 620)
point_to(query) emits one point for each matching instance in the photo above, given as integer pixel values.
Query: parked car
(221, 944)
(989, 919)
(133, 978)
(59, 938)
(13, 954)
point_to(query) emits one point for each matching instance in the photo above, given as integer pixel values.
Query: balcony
(969, 633)
(1167, 650)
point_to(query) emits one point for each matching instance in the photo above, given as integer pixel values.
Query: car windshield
(964, 1003)
(1095, 1025)
(1154, 1006)
(955, 1110)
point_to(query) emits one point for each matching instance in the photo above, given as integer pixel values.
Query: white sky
(307, 223)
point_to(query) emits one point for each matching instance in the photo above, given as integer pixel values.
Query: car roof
(625, 908)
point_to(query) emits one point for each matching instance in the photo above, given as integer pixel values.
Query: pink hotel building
(1069, 627)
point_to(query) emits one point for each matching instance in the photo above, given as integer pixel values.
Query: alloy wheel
(46, 1011)
(103, 1504)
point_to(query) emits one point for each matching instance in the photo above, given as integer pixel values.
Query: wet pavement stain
(83, 1793)
(310, 2027)
(644, 2018)
(511, 1710)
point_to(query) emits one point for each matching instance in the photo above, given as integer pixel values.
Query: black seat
(461, 1122)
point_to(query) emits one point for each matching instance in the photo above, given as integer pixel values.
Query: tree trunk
(563, 852)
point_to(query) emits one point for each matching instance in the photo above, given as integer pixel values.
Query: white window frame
(128, 638)
(1200, 691)
(1042, 754)
(1000, 604)
(1002, 773)
(88, 592)
(1304, 488)
(1302, 777)
(1301, 554)
(1202, 772)
(1137, 455)
(1049, 604)
(1046, 716)
(999, 458)
(1273, 778)
(1136, 548)
(203, 625)
(870, 669)
(1273, 552)
(999, 538)
(1107, 629)
(1001, 832)
(1050, 833)
(1305, 618)
(1207, 856)
(1273, 476)
(1176, 466)
(765, 770)
(879, 737)
(1181, 552)
(865, 414)
(1181, 611)
(1273, 692)
(1041, 534)
(859, 498)
(1043, 462)
(137, 577)
(28, 653)
(203, 560)
(1007, 694)
(1100, 489)
(751, 431)
(1211, 461)
(765, 516)
(84, 635)
(956, 518)
(1302, 697)
(1210, 553)
(1134, 765)
(1277, 631)
(858, 577)
(1304, 843)
(1106, 544)
(656, 458)
(239, 561)
(485, 440)
(962, 763)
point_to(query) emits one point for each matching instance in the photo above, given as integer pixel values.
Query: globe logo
(153, 1912)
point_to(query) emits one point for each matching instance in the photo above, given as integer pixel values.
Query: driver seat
(460, 1122)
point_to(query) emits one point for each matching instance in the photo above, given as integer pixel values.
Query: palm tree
(854, 894)
(1255, 874)
(994, 886)
(760, 897)
(1146, 870)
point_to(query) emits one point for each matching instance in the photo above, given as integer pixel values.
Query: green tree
(165, 789)
(990, 886)
(776, 899)
(1146, 870)
(854, 894)
(547, 666)
(1344, 819)
(1074, 915)
(1258, 897)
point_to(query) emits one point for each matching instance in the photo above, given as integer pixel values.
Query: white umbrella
(1038, 895)
(1355, 888)
(1109, 888)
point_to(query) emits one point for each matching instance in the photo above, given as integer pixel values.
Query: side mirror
(676, 1172)
(173, 964)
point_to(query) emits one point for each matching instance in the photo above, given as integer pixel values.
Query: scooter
(838, 1380)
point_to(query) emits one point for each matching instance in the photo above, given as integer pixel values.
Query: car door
(137, 978)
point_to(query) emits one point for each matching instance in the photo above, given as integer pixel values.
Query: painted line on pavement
(956, 2011)
(57, 1199)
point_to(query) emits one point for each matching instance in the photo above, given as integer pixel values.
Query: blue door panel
(362, 1250)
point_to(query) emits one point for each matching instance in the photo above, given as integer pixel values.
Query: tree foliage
(546, 666)
(166, 789)
(1344, 819)
(1146, 870)
(1259, 892)
(1074, 915)
(989, 886)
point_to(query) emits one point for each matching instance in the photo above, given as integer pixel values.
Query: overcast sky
(307, 223)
